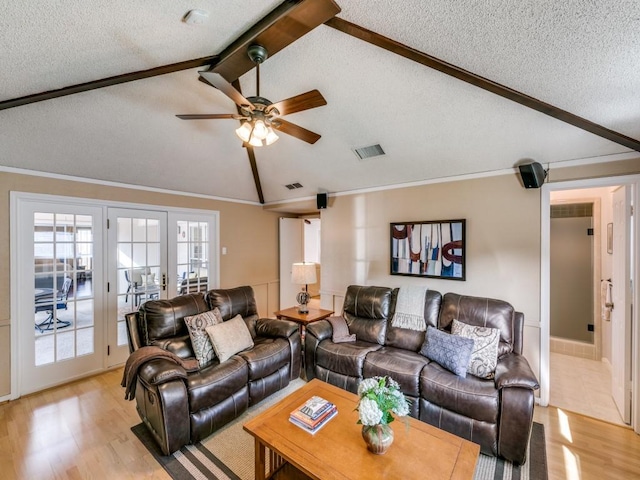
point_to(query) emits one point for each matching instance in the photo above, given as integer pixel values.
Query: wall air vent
(364, 153)
(293, 186)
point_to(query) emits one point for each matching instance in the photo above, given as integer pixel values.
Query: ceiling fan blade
(295, 131)
(207, 116)
(225, 87)
(301, 102)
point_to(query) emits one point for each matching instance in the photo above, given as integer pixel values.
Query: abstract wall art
(429, 249)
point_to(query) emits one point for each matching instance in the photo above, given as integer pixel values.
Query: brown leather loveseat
(496, 413)
(180, 407)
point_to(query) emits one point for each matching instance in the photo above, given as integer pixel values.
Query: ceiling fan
(260, 116)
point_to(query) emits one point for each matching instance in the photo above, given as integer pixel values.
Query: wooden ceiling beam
(481, 82)
(281, 27)
(250, 153)
(107, 82)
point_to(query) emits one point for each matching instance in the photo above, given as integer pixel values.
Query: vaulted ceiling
(576, 60)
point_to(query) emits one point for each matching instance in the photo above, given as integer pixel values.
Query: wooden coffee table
(338, 451)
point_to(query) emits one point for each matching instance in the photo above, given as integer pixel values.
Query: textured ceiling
(581, 56)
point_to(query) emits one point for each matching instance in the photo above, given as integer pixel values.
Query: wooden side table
(303, 319)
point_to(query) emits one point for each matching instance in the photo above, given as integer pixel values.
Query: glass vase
(378, 438)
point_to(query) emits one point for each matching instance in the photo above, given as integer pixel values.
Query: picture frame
(430, 248)
(610, 238)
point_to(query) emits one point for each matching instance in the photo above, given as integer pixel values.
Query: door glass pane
(124, 230)
(139, 254)
(153, 230)
(125, 259)
(139, 273)
(139, 229)
(64, 295)
(153, 254)
(84, 340)
(192, 265)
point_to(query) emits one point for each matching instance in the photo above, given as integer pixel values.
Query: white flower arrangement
(380, 399)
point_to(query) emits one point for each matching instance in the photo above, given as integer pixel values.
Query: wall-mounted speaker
(533, 175)
(321, 200)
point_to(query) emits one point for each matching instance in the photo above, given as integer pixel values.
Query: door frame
(545, 226)
(15, 197)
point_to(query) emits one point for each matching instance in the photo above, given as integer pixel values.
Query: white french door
(621, 340)
(78, 266)
(137, 266)
(155, 255)
(60, 323)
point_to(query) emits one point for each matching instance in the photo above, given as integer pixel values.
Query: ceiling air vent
(368, 152)
(293, 186)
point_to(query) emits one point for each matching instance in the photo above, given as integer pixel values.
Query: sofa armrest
(160, 370)
(280, 328)
(273, 327)
(321, 330)
(316, 332)
(513, 370)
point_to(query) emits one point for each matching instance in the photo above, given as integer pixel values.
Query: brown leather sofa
(495, 413)
(179, 407)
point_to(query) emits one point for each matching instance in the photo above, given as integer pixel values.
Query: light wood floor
(82, 430)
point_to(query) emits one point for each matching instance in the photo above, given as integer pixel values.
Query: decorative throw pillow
(485, 351)
(230, 337)
(196, 324)
(450, 351)
(148, 280)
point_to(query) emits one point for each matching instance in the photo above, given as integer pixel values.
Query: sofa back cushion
(366, 310)
(481, 312)
(412, 339)
(235, 301)
(162, 322)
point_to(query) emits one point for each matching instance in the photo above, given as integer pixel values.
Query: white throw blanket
(410, 309)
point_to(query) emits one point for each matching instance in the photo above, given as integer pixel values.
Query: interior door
(137, 246)
(60, 272)
(291, 251)
(621, 296)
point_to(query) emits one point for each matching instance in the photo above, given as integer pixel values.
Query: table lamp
(303, 274)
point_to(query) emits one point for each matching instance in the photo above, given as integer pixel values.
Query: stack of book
(314, 414)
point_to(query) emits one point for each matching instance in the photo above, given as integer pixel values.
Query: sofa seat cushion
(472, 397)
(344, 358)
(266, 357)
(401, 365)
(215, 383)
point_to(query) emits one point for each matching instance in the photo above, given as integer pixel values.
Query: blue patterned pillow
(450, 351)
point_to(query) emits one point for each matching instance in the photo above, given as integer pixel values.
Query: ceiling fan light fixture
(255, 142)
(244, 131)
(260, 130)
(271, 137)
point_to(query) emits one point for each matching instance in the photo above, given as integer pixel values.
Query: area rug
(228, 454)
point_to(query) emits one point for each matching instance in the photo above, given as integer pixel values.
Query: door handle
(164, 281)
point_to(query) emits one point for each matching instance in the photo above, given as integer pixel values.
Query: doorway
(299, 242)
(581, 351)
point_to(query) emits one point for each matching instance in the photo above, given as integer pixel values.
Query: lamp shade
(303, 273)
